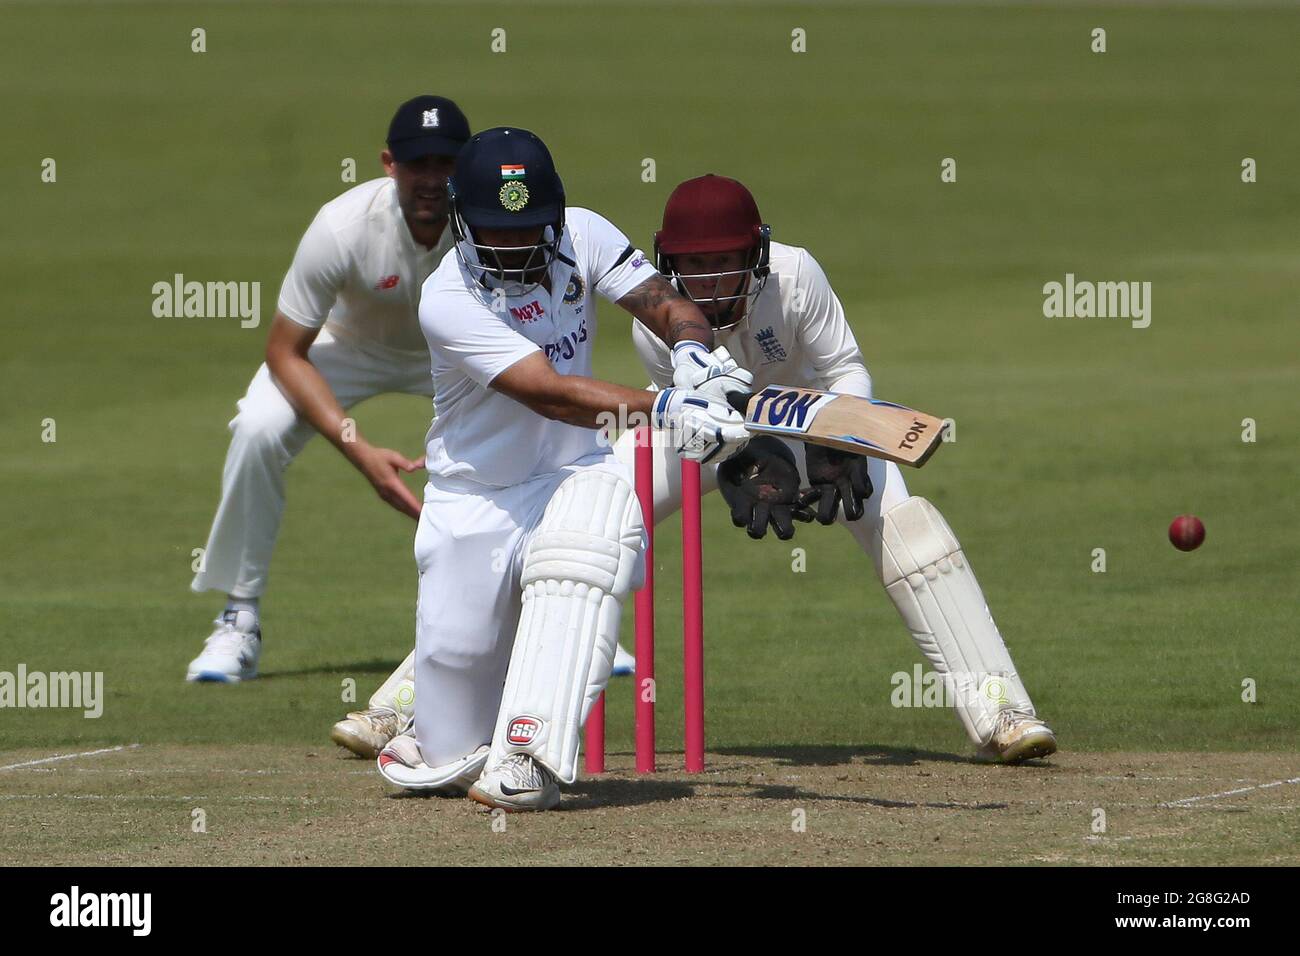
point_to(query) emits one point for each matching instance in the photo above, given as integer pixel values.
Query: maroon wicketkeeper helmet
(715, 214)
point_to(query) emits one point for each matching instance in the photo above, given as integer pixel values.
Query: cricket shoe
(230, 652)
(366, 732)
(624, 663)
(1017, 736)
(401, 763)
(517, 783)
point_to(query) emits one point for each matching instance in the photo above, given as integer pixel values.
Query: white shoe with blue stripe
(231, 651)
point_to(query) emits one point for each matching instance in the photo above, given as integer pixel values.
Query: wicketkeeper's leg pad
(930, 582)
(582, 561)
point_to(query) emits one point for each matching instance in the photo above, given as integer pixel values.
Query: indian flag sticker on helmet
(513, 171)
(514, 196)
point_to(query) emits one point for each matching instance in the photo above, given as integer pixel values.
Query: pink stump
(595, 746)
(693, 616)
(644, 609)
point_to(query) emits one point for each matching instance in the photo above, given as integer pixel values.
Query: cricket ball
(1186, 532)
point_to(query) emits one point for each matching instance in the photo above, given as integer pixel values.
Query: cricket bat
(864, 426)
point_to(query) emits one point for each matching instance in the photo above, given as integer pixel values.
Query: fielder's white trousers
(469, 548)
(266, 435)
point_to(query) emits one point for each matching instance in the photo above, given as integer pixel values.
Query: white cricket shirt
(795, 333)
(484, 436)
(358, 271)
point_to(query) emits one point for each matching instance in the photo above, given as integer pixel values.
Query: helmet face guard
(488, 264)
(748, 282)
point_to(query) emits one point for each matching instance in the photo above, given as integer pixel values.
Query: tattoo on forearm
(685, 319)
(650, 294)
(678, 330)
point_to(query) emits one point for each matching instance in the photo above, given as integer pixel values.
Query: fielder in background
(772, 308)
(345, 329)
(530, 538)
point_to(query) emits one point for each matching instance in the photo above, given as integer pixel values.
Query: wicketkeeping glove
(835, 476)
(761, 485)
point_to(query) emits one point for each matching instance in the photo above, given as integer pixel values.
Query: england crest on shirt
(773, 350)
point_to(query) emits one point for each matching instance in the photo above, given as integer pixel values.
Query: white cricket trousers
(469, 548)
(266, 435)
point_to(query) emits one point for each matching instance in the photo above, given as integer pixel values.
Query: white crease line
(186, 771)
(187, 798)
(1188, 801)
(84, 753)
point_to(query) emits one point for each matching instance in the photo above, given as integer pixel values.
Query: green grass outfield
(1072, 434)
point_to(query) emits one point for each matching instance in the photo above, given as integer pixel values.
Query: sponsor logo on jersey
(567, 347)
(574, 291)
(638, 261)
(528, 312)
(429, 120)
(513, 196)
(388, 282)
(773, 350)
(523, 730)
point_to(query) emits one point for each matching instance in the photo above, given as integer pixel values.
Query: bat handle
(739, 401)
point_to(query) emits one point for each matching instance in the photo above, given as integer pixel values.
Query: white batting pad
(933, 587)
(582, 561)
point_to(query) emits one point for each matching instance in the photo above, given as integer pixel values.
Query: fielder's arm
(310, 395)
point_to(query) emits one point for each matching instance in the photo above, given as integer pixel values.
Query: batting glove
(702, 428)
(715, 373)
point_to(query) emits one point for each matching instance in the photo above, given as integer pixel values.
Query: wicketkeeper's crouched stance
(530, 537)
(774, 311)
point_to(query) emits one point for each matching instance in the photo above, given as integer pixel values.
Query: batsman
(772, 309)
(530, 538)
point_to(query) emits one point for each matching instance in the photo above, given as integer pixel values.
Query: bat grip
(739, 401)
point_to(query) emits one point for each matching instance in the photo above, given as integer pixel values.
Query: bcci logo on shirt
(574, 291)
(523, 731)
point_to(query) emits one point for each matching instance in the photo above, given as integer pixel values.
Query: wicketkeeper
(773, 309)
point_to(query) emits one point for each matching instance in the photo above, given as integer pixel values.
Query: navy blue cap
(427, 125)
(505, 178)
